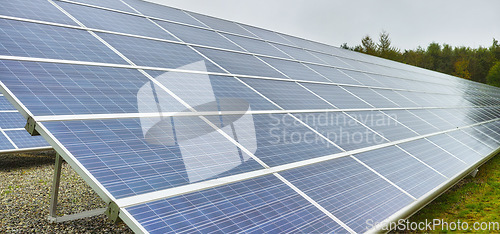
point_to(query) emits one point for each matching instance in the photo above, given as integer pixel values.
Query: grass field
(474, 199)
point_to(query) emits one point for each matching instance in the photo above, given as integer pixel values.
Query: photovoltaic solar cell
(232, 128)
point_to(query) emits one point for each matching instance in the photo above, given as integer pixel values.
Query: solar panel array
(190, 123)
(13, 137)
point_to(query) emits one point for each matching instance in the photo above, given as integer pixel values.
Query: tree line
(477, 64)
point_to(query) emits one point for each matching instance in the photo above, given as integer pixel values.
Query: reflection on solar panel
(13, 137)
(188, 123)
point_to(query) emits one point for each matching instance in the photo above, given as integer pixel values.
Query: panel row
(141, 26)
(62, 89)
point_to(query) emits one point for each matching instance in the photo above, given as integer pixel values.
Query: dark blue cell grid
(199, 36)
(384, 124)
(5, 104)
(341, 129)
(111, 4)
(114, 21)
(256, 46)
(137, 156)
(163, 12)
(62, 89)
(295, 70)
(9, 120)
(288, 95)
(221, 25)
(5, 143)
(337, 96)
(456, 148)
(412, 122)
(349, 191)
(157, 53)
(45, 41)
(281, 139)
(405, 171)
(23, 139)
(211, 93)
(240, 64)
(34, 9)
(261, 205)
(444, 162)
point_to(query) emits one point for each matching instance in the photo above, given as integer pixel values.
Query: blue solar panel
(349, 191)
(295, 70)
(402, 169)
(455, 147)
(156, 53)
(299, 54)
(265, 34)
(23, 139)
(241, 64)
(337, 96)
(163, 12)
(35, 9)
(341, 129)
(11, 120)
(5, 104)
(113, 21)
(199, 36)
(386, 125)
(409, 120)
(372, 97)
(261, 205)
(111, 4)
(136, 156)
(221, 25)
(362, 78)
(331, 60)
(447, 164)
(44, 41)
(288, 95)
(179, 148)
(4, 143)
(281, 139)
(256, 46)
(60, 89)
(333, 74)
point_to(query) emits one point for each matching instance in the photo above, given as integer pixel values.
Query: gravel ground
(25, 183)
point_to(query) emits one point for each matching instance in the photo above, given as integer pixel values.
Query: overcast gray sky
(410, 23)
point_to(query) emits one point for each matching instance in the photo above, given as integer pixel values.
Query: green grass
(474, 199)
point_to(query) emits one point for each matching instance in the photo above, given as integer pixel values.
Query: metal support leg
(54, 193)
(474, 173)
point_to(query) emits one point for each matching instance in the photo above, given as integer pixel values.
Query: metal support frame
(54, 193)
(30, 126)
(474, 172)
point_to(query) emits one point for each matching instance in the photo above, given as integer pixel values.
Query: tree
(461, 69)
(369, 46)
(493, 77)
(385, 50)
(464, 62)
